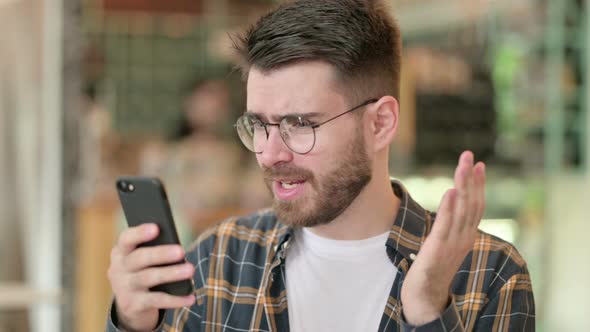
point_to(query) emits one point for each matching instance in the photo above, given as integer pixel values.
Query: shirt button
(413, 256)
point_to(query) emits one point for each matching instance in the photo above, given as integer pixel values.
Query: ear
(384, 119)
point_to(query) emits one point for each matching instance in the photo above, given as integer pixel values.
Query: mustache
(286, 171)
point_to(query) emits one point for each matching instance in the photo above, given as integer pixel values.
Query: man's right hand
(134, 270)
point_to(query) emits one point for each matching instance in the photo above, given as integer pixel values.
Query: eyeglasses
(297, 132)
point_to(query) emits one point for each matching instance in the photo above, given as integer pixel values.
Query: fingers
(166, 301)
(133, 275)
(464, 186)
(462, 207)
(134, 270)
(470, 185)
(444, 215)
(151, 277)
(463, 170)
(480, 182)
(138, 304)
(134, 236)
(145, 257)
(451, 238)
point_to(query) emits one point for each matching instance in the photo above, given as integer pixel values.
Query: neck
(370, 214)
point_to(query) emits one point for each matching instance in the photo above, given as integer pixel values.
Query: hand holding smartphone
(144, 200)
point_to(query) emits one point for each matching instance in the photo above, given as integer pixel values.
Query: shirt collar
(411, 225)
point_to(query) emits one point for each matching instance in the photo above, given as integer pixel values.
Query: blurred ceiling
(7, 2)
(421, 16)
(168, 6)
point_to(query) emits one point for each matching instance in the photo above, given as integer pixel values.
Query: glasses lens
(297, 135)
(251, 133)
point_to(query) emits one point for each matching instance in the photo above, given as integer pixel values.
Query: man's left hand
(425, 292)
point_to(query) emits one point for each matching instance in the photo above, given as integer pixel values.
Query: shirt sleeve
(510, 309)
(112, 321)
(449, 321)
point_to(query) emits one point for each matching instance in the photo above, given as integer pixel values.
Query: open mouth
(288, 189)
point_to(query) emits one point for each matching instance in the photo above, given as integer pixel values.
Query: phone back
(145, 201)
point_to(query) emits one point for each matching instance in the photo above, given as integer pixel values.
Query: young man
(344, 248)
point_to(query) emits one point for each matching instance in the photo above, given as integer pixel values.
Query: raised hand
(425, 292)
(134, 270)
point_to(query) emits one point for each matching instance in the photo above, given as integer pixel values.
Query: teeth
(288, 185)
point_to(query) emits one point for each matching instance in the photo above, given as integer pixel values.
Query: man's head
(307, 62)
(357, 37)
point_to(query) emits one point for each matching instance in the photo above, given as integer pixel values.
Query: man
(344, 248)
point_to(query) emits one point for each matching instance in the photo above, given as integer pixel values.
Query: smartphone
(144, 200)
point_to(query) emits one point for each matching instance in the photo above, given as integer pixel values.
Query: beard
(333, 193)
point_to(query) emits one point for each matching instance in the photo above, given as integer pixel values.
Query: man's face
(315, 188)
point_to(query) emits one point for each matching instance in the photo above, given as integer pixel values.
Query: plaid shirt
(240, 279)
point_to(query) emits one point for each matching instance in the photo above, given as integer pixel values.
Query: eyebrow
(279, 118)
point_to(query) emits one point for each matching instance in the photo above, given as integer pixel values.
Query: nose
(274, 151)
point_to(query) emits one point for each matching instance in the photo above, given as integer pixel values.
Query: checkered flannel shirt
(240, 279)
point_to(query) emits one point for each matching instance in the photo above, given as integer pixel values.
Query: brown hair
(357, 37)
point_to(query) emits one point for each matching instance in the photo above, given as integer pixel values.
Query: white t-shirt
(337, 285)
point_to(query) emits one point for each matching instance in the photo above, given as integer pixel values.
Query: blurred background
(94, 89)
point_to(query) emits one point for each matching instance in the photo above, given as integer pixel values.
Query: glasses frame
(313, 127)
